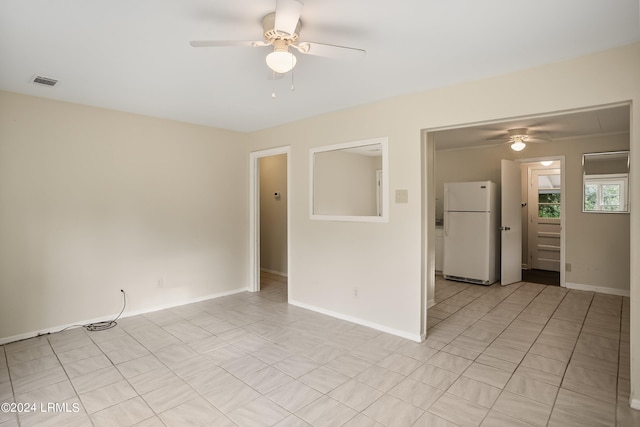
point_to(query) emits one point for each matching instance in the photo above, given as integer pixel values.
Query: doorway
(269, 235)
(473, 151)
(532, 234)
(541, 221)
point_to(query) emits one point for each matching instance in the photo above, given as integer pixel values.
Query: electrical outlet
(355, 292)
(567, 267)
(161, 283)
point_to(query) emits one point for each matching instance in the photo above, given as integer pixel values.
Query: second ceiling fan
(518, 137)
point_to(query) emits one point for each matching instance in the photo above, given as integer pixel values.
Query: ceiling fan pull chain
(293, 87)
(273, 79)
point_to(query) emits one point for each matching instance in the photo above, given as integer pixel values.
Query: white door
(511, 224)
(544, 219)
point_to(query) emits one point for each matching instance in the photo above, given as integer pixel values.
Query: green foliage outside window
(602, 197)
(549, 205)
(549, 198)
(590, 197)
(611, 197)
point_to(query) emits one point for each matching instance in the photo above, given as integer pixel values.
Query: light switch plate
(402, 196)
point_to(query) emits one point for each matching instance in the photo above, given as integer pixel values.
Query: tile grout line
(323, 394)
(152, 352)
(190, 386)
(621, 312)
(541, 330)
(138, 394)
(40, 388)
(112, 364)
(571, 356)
(518, 364)
(125, 378)
(13, 391)
(484, 293)
(68, 377)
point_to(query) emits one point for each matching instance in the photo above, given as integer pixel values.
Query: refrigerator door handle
(446, 211)
(446, 223)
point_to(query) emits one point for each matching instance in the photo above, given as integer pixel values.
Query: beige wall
(273, 214)
(93, 201)
(597, 245)
(345, 183)
(329, 259)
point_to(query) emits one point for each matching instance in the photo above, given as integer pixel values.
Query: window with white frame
(605, 193)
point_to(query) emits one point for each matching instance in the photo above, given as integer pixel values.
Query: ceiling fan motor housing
(519, 132)
(271, 34)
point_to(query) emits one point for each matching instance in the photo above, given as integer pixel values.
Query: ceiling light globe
(518, 146)
(281, 62)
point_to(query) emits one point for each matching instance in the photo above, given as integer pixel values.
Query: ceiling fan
(518, 137)
(281, 29)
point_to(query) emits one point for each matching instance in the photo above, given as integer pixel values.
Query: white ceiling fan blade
(330, 50)
(227, 43)
(500, 138)
(287, 16)
(530, 138)
(533, 138)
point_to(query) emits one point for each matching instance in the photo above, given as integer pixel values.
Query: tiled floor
(521, 355)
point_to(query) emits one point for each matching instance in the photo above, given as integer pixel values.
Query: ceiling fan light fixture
(517, 141)
(281, 60)
(518, 145)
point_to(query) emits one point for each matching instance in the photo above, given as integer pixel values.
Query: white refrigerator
(471, 232)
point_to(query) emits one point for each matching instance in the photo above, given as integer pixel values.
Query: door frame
(254, 215)
(427, 158)
(563, 209)
(428, 205)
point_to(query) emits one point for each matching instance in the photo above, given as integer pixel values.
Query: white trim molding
(59, 328)
(634, 403)
(600, 289)
(384, 142)
(277, 273)
(376, 326)
(254, 213)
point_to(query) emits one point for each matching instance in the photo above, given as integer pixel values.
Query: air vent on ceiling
(44, 81)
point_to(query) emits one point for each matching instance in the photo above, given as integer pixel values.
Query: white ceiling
(134, 55)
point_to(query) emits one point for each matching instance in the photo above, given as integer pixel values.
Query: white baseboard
(634, 403)
(431, 303)
(277, 273)
(54, 329)
(376, 326)
(190, 301)
(601, 289)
